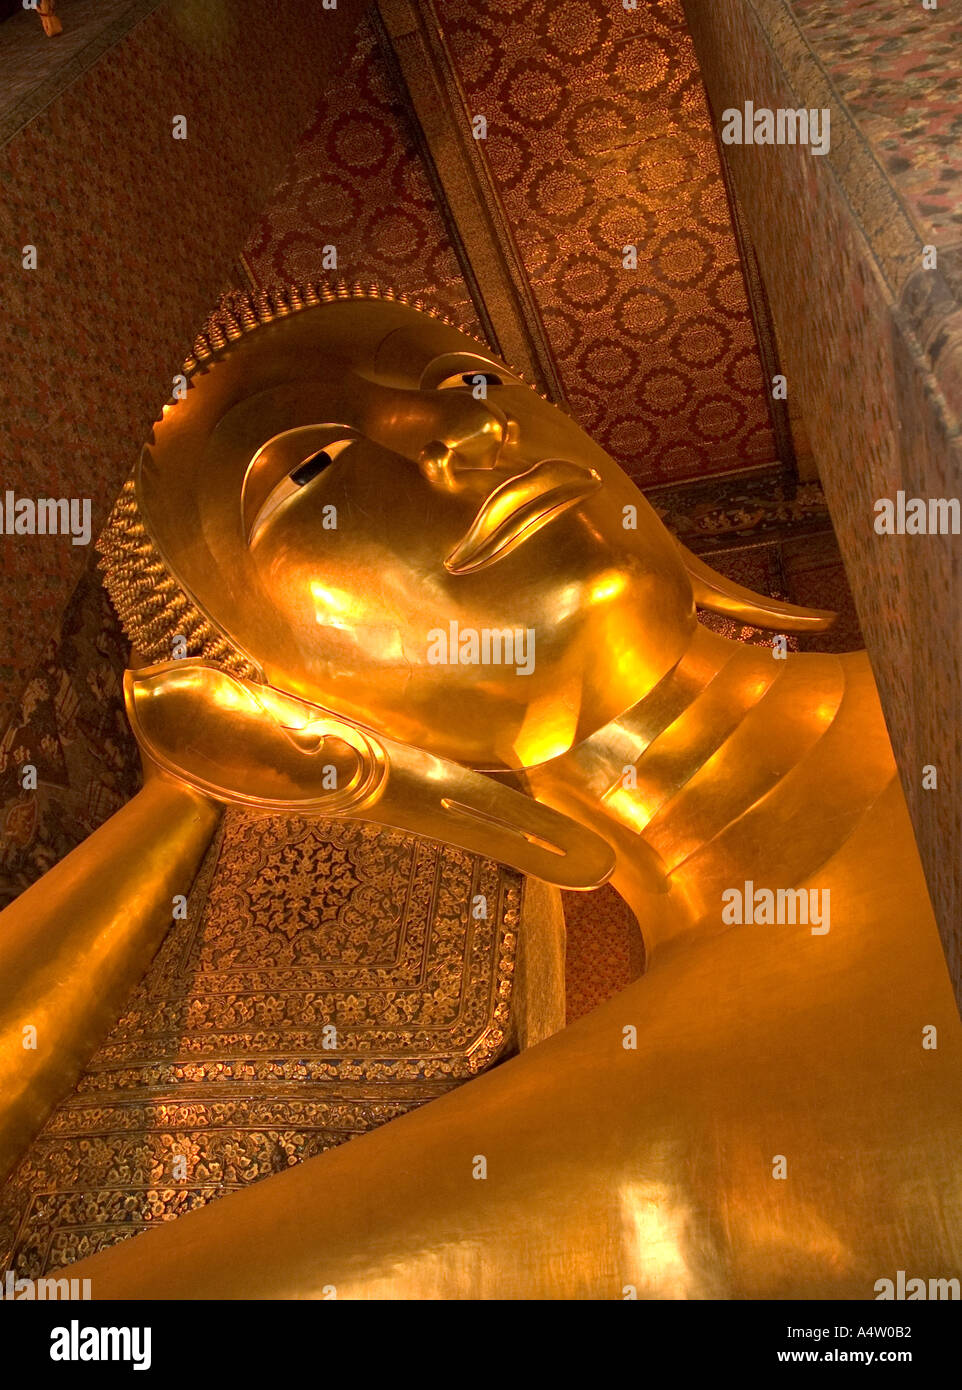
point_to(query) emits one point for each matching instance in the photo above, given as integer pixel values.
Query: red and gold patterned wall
(872, 333)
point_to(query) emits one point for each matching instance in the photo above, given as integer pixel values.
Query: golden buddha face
(388, 523)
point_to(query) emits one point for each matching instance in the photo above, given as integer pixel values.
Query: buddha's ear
(716, 594)
(240, 742)
(246, 743)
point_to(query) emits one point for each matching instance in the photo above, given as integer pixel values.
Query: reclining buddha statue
(368, 572)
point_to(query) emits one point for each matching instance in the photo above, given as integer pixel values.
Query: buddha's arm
(778, 1130)
(75, 943)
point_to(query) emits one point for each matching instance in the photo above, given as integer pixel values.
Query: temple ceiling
(599, 139)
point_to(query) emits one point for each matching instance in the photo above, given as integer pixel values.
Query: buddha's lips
(518, 508)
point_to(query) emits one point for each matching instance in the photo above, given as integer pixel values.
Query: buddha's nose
(472, 435)
(446, 432)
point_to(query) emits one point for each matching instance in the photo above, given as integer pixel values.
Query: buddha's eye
(466, 371)
(308, 470)
(272, 480)
(471, 379)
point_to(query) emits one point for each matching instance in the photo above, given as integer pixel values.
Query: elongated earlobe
(716, 594)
